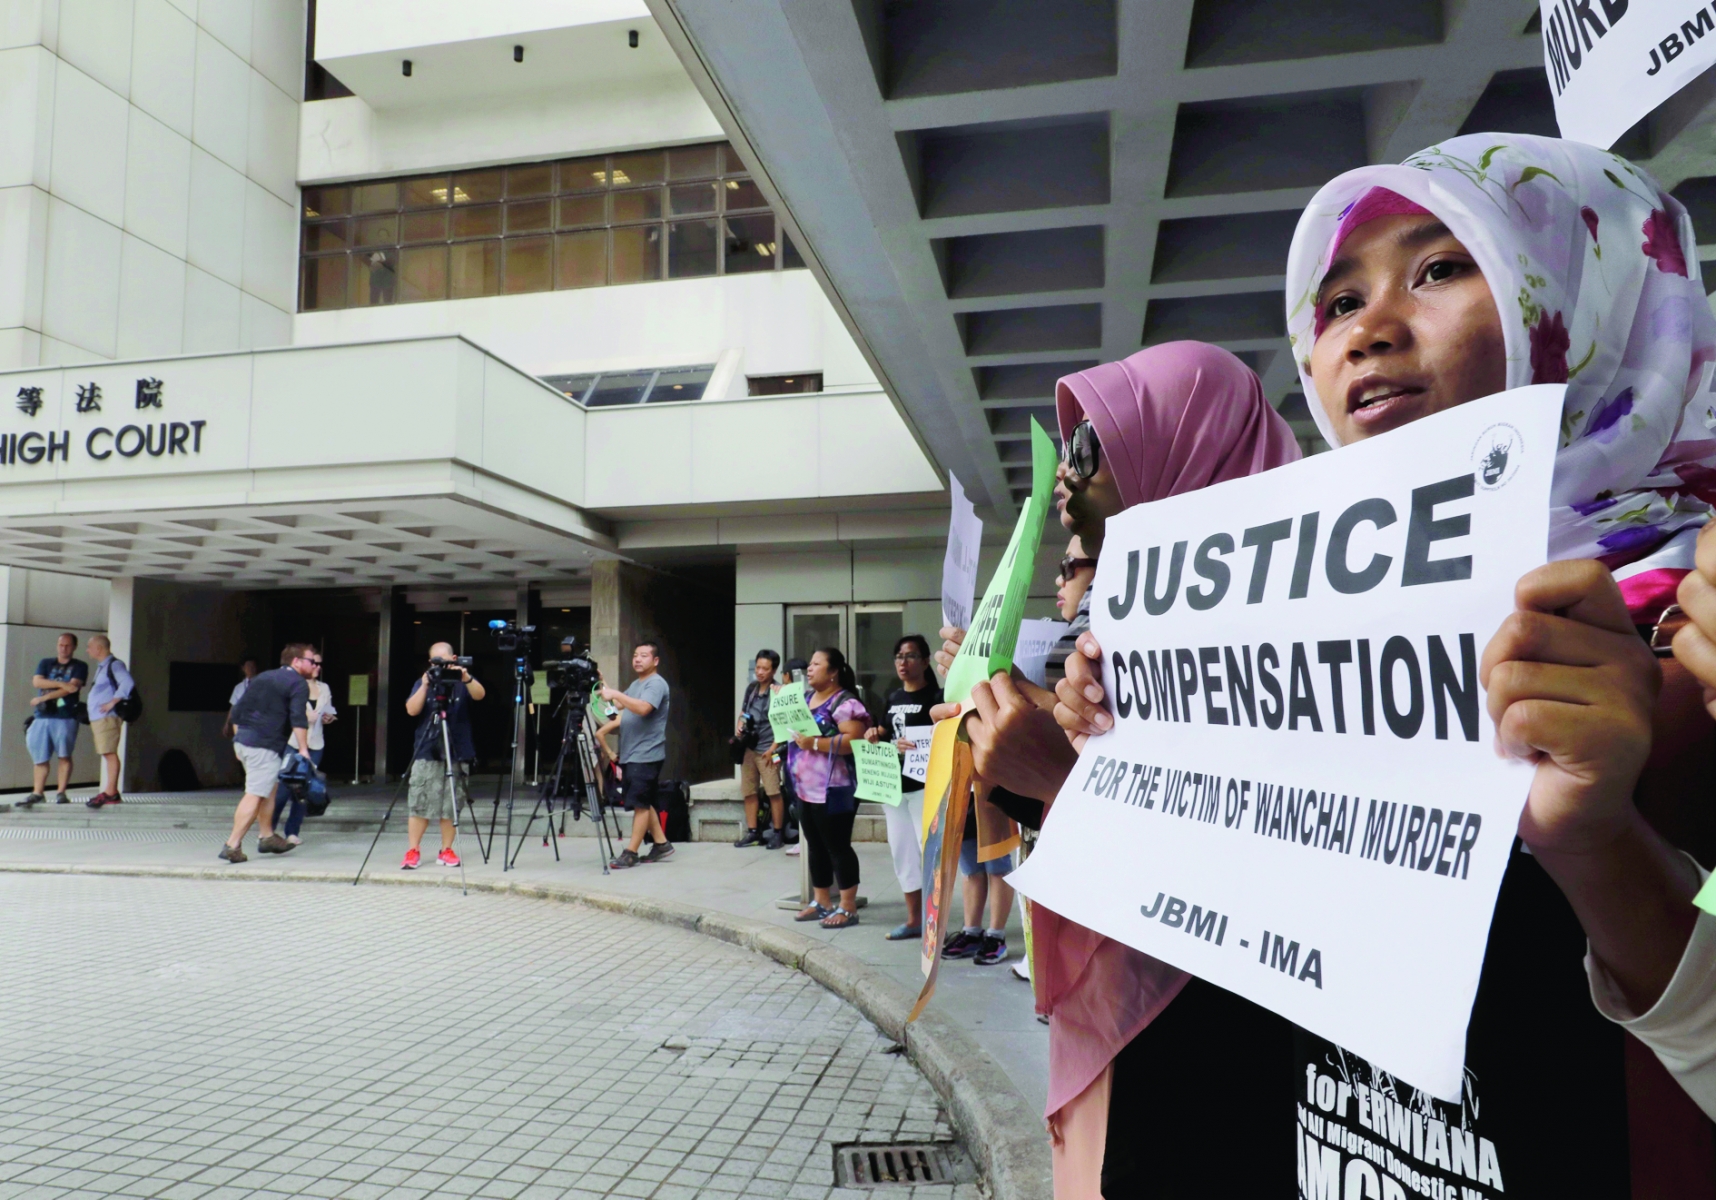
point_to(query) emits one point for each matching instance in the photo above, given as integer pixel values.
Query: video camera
(577, 672)
(443, 673)
(511, 637)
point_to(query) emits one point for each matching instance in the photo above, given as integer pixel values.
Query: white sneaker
(1022, 970)
(296, 840)
(792, 849)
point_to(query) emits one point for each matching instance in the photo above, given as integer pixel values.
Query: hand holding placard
(878, 768)
(789, 714)
(1289, 731)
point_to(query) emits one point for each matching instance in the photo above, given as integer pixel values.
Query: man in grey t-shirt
(643, 748)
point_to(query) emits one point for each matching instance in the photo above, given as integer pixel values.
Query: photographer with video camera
(759, 768)
(447, 689)
(642, 724)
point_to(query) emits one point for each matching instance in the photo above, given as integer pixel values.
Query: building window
(784, 385)
(649, 386)
(680, 213)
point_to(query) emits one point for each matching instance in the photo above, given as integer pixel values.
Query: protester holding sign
(908, 723)
(1168, 420)
(1490, 262)
(821, 770)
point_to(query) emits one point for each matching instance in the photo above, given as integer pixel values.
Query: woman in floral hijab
(1485, 263)
(1489, 262)
(1587, 260)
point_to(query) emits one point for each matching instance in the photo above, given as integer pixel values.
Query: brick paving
(199, 1040)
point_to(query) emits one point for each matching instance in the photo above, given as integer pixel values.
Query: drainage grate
(884, 1166)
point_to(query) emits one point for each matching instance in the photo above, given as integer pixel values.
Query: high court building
(371, 322)
(366, 322)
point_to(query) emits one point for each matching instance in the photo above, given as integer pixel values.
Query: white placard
(915, 763)
(1300, 800)
(959, 567)
(1036, 639)
(1610, 62)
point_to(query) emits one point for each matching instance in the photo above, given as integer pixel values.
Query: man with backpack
(273, 711)
(110, 700)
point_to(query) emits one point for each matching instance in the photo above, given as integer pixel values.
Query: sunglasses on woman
(1083, 452)
(1070, 563)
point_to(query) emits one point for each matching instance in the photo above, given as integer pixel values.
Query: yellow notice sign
(539, 690)
(357, 691)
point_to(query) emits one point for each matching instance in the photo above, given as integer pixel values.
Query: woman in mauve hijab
(1167, 420)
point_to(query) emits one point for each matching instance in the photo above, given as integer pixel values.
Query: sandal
(840, 918)
(812, 912)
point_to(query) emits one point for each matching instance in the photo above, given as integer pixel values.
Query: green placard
(357, 691)
(789, 714)
(989, 643)
(878, 768)
(539, 690)
(1706, 897)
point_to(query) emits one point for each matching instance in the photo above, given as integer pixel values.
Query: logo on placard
(1496, 455)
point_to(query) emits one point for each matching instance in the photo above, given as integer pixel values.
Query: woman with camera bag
(753, 747)
(821, 769)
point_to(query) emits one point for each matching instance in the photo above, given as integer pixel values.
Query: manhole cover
(888, 1166)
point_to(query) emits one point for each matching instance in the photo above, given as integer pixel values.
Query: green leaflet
(994, 632)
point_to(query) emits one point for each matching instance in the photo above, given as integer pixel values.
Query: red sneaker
(447, 858)
(413, 860)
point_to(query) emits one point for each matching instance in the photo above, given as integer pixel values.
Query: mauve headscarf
(1171, 419)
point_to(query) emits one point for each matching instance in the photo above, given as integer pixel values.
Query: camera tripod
(440, 700)
(575, 780)
(522, 676)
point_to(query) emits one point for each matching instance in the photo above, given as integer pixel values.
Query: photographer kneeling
(446, 686)
(643, 749)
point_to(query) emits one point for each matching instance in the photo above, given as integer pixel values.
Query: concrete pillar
(618, 593)
(518, 756)
(382, 698)
(121, 598)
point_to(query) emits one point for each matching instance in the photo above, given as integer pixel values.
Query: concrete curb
(1001, 1131)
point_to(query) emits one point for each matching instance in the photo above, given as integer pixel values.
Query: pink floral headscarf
(1587, 258)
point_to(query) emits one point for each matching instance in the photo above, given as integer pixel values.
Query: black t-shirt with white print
(908, 709)
(1544, 1115)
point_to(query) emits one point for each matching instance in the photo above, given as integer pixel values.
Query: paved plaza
(185, 1039)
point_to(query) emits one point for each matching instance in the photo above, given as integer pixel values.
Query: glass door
(812, 626)
(875, 629)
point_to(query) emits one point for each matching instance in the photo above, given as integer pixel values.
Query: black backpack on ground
(673, 799)
(176, 772)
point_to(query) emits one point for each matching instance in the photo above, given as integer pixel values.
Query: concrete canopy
(414, 462)
(998, 192)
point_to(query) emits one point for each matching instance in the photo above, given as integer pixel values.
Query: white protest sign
(915, 764)
(1610, 62)
(959, 567)
(1300, 800)
(1031, 655)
